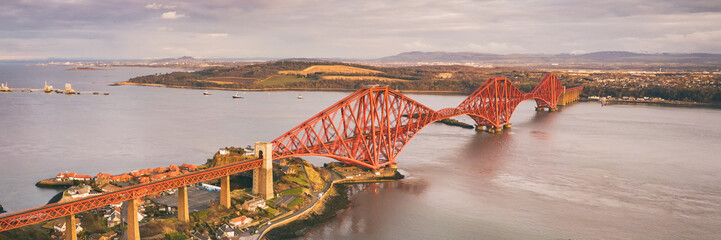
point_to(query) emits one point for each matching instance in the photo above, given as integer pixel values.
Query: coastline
(333, 200)
(124, 83)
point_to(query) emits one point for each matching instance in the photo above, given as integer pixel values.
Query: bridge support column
(71, 232)
(225, 191)
(263, 176)
(133, 231)
(183, 214)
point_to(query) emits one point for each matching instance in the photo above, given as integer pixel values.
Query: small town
(299, 188)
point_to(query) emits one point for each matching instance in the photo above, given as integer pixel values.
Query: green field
(296, 191)
(280, 80)
(298, 180)
(296, 202)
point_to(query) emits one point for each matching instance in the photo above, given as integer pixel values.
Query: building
(59, 226)
(253, 204)
(121, 178)
(173, 168)
(189, 167)
(79, 191)
(68, 176)
(210, 187)
(240, 222)
(287, 169)
(225, 231)
(104, 236)
(223, 151)
(114, 218)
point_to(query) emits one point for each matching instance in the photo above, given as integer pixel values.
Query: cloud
(157, 6)
(494, 47)
(353, 29)
(217, 35)
(172, 15)
(418, 45)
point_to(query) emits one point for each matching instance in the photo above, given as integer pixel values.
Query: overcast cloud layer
(113, 29)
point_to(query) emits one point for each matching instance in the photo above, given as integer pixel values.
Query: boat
(300, 96)
(4, 88)
(237, 96)
(48, 88)
(207, 93)
(69, 89)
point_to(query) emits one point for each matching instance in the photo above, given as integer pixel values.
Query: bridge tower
(263, 176)
(71, 232)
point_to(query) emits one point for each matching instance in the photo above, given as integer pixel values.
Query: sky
(363, 29)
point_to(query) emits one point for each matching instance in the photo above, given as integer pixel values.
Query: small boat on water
(69, 89)
(4, 88)
(207, 93)
(237, 96)
(300, 96)
(48, 88)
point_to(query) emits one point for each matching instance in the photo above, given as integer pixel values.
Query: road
(313, 201)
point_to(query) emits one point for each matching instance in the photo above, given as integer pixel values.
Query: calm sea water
(586, 172)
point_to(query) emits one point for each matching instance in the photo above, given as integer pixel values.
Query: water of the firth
(586, 172)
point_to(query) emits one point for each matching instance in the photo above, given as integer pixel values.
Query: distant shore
(284, 89)
(87, 69)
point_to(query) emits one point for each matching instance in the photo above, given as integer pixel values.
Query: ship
(4, 88)
(237, 96)
(69, 89)
(207, 93)
(48, 88)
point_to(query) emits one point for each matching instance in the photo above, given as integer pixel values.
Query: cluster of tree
(703, 95)
(462, 79)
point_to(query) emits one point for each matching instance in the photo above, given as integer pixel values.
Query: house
(253, 204)
(160, 169)
(59, 226)
(157, 177)
(249, 151)
(241, 221)
(173, 168)
(72, 176)
(223, 151)
(79, 191)
(224, 232)
(121, 178)
(173, 174)
(109, 188)
(113, 219)
(104, 236)
(287, 169)
(199, 236)
(189, 167)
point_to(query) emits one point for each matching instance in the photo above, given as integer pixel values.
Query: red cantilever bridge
(368, 128)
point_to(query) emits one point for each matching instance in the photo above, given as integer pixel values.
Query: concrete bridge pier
(263, 176)
(183, 214)
(71, 232)
(133, 231)
(225, 191)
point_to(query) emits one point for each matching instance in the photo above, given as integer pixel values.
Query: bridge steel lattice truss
(368, 128)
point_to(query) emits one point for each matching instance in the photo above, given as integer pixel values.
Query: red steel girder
(493, 103)
(56, 210)
(548, 91)
(368, 128)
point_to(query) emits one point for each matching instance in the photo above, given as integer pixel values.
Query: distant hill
(606, 57)
(440, 57)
